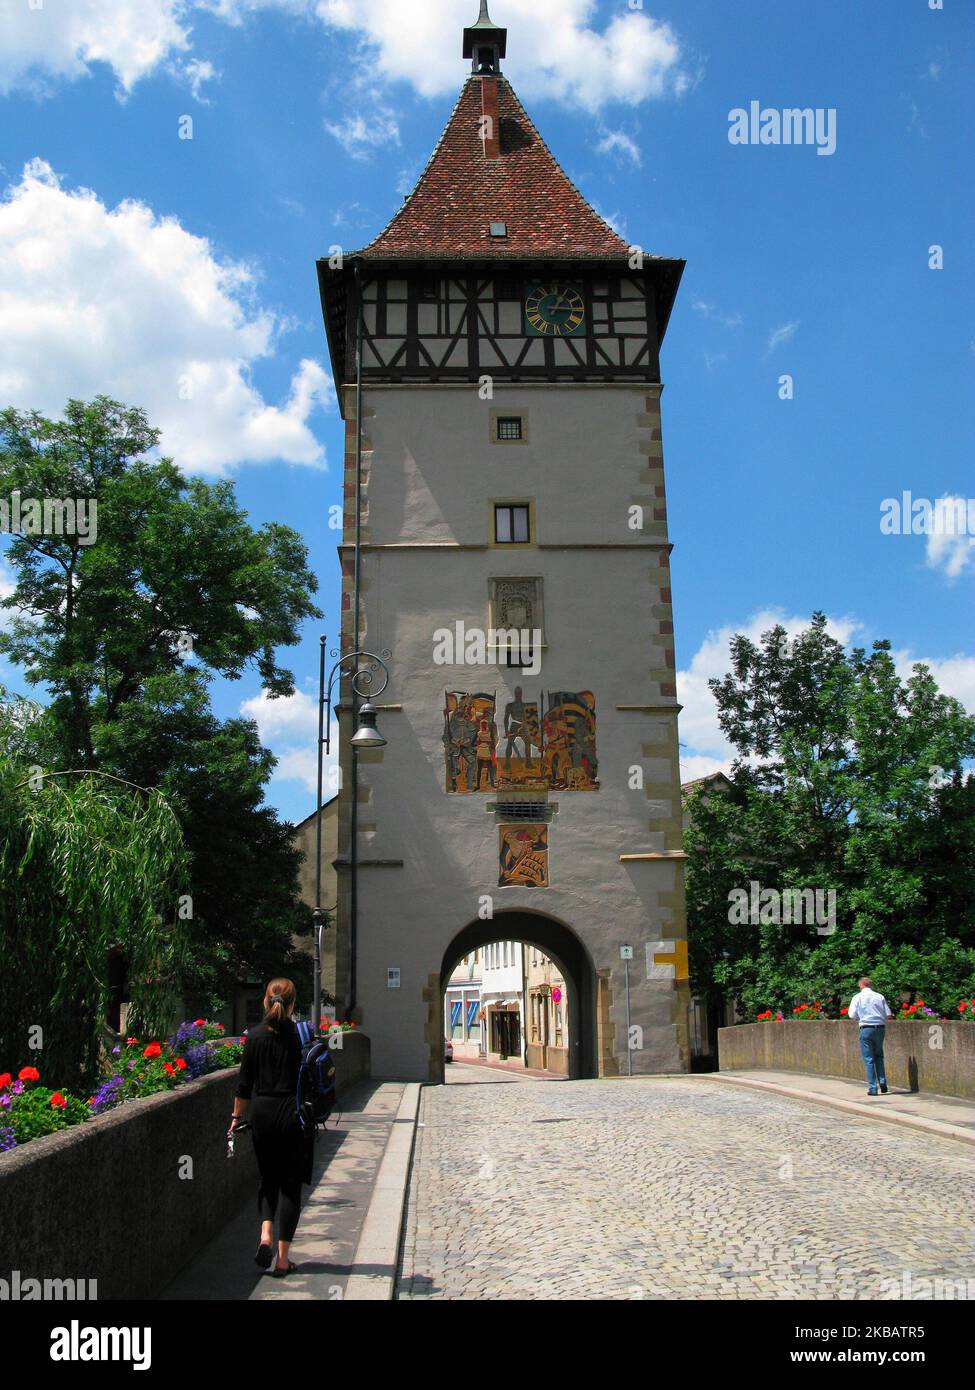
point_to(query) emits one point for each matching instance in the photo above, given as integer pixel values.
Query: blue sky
(193, 261)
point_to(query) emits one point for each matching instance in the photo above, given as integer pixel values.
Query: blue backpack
(315, 1092)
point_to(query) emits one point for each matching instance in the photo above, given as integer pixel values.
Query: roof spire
(485, 42)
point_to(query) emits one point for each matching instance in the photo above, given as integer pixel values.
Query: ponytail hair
(278, 999)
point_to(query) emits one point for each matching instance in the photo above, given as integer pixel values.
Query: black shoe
(263, 1257)
(871, 1093)
(883, 1090)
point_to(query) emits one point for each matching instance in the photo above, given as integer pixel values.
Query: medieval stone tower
(496, 350)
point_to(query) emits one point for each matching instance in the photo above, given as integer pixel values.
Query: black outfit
(268, 1079)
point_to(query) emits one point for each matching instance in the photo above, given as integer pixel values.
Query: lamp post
(366, 735)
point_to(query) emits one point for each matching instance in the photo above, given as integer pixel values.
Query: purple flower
(7, 1140)
(108, 1095)
(5, 1102)
(17, 1088)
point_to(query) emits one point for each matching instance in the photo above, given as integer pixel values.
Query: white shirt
(870, 1008)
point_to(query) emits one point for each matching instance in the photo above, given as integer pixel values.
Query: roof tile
(460, 193)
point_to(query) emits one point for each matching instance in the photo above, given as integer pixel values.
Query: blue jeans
(872, 1050)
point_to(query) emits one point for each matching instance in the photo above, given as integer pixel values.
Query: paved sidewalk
(347, 1161)
(475, 1069)
(944, 1115)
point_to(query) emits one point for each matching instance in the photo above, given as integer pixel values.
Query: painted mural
(470, 739)
(532, 750)
(523, 856)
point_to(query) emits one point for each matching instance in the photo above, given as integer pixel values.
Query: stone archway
(558, 942)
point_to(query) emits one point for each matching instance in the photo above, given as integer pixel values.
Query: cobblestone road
(678, 1188)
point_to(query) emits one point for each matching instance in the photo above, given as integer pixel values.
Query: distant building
(547, 1046)
(503, 1001)
(462, 1007)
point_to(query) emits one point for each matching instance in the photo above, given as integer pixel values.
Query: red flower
(28, 1074)
(180, 1063)
(221, 1027)
(228, 1044)
(91, 1100)
(153, 1050)
(131, 1042)
(168, 1066)
(844, 1010)
(6, 1078)
(199, 1023)
(58, 1100)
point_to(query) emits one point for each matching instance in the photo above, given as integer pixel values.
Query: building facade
(462, 1022)
(506, 554)
(501, 1000)
(547, 1013)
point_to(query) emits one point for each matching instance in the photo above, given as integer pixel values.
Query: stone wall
(930, 1056)
(112, 1200)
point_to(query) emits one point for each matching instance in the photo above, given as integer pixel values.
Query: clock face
(555, 310)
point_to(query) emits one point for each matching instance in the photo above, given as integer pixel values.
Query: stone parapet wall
(932, 1056)
(130, 1197)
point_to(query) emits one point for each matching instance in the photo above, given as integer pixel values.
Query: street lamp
(366, 736)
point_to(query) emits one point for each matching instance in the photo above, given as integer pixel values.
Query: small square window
(509, 426)
(507, 289)
(511, 524)
(428, 290)
(499, 229)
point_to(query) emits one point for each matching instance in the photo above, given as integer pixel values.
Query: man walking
(871, 1012)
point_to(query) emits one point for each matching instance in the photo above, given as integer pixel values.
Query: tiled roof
(461, 192)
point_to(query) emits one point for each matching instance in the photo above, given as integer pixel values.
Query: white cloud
(289, 727)
(707, 748)
(289, 717)
(712, 312)
(704, 747)
(197, 72)
(616, 220)
(117, 300)
(778, 336)
(955, 675)
(556, 52)
(362, 135)
(618, 144)
(62, 39)
(949, 546)
(7, 586)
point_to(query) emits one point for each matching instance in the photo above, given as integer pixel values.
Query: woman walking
(268, 1081)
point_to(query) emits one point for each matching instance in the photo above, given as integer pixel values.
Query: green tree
(87, 864)
(847, 780)
(126, 634)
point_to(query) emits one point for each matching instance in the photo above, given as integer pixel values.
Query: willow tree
(88, 865)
